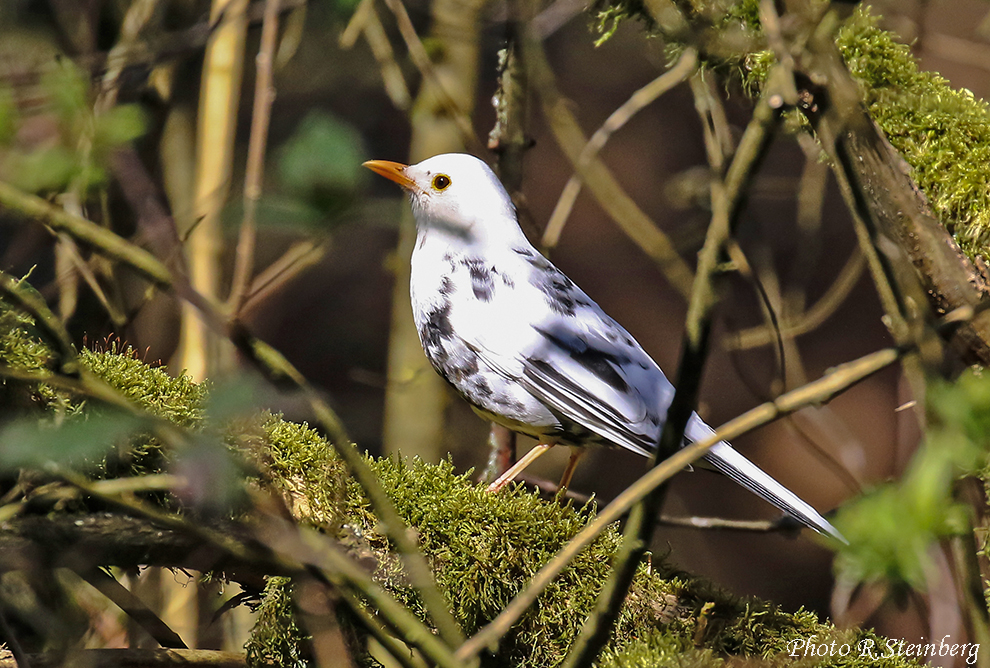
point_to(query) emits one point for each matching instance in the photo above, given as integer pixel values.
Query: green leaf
(42, 170)
(68, 89)
(213, 477)
(31, 443)
(321, 162)
(120, 125)
(279, 212)
(235, 397)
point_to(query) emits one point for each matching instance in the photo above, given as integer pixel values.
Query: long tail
(744, 472)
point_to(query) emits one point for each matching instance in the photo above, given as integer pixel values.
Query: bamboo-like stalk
(200, 351)
(416, 397)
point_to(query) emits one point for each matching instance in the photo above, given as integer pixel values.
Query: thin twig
(891, 270)
(137, 17)
(811, 319)
(638, 101)
(751, 147)
(421, 59)
(86, 231)
(603, 185)
(397, 649)
(365, 21)
(315, 551)
(812, 188)
(82, 267)
(133, 607)
(296, 259)
(782, 524)
(261, 113)
(969, 579)
(714, 124)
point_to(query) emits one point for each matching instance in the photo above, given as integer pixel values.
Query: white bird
(524, 345)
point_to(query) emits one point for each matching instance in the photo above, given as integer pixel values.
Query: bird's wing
(585, 367)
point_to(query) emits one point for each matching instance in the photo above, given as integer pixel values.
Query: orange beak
(393, 171)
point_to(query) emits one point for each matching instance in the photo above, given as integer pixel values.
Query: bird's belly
(490, 394)
(495, 398)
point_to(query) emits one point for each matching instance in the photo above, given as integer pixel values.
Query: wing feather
(593, 373)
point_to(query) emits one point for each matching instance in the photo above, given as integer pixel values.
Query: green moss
(276, 639)
(484, 547)
(22, 348)
(295, 460)
(944, 134)
(658, 649)
(174, 398)
(177, 399)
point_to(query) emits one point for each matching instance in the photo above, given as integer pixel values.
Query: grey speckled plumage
(525, 345)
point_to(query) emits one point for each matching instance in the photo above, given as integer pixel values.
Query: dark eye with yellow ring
(441, 182)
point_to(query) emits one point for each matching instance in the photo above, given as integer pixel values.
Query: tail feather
(744, 472)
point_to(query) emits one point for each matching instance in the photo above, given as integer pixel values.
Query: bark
(82, 542)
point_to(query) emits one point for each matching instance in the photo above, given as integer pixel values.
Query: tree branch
(139, 658)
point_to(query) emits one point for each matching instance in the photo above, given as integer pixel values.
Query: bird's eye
(441, 182)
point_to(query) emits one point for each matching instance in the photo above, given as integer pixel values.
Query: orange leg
(565, 480)
(518, 467)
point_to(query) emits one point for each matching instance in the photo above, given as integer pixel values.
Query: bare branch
(134, 607)
(264, 96)
(638, 101)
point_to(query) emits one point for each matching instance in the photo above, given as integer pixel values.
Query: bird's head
(455, 193)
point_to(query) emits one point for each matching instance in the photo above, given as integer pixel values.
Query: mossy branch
(883, 193)
(100, 238)
(453, 518)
